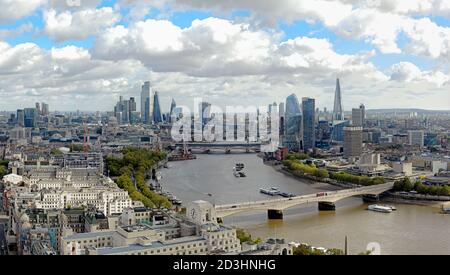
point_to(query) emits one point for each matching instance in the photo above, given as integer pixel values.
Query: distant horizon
(164, 112)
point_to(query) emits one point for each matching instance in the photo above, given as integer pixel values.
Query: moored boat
(393, 208)
(272, 191)
(380, 208)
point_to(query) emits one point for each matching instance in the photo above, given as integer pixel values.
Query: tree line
(297, 166)
(133, 170)
(406, 185)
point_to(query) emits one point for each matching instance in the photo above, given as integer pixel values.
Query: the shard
(338, 113)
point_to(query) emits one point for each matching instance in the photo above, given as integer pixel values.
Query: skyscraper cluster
(29, 117)
(126, 111)
(302, 129)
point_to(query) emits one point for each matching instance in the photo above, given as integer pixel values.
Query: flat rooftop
(138, 247)
(89, 235)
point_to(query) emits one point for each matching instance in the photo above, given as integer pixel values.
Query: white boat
(380, 208)
(393, 208)
(272, 191)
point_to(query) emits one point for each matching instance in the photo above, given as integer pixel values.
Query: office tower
(157, 115)
(173, 105)
(416, 137)
(45, 109)
(146, 103)
(273, 107)
(352, 141)
(337, 133)
(124, 109)
(133, 107)
(20, 118)
(205, 109)
(293, 137)
(309, 123)
(132, 111)
(134, 117)
(30, 117)
(363, 111)
(38, 108)
(338, 113)
(281, 109)
(281, 114)
(12, 121)
(323, 135)
(358, 116)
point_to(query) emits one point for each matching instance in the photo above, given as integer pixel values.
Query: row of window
(190, 252)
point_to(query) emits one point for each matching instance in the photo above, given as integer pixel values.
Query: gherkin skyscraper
(338, 113)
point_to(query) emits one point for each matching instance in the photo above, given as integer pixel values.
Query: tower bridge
(326, 201)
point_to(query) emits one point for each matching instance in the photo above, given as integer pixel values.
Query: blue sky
(183, 19)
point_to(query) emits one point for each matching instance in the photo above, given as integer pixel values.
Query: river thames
(412, 229)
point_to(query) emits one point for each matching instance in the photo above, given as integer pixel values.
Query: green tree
(56, 152)
(245, 237)
(321, 173)
(297, 156)
(3, 171)
(302, 250)
(132, 170)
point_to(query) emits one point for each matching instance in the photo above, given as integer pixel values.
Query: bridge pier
(326, 206)
(371, 198)
(273, 214)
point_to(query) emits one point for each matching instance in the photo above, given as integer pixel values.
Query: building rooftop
(89, 235)
(138, 247)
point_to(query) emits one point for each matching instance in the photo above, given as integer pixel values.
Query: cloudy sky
(84, 54)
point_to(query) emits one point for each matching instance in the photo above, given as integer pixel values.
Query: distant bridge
(326, 201)
(223, 147)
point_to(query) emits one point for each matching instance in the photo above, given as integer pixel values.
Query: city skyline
(259, 52)
(224, 129)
